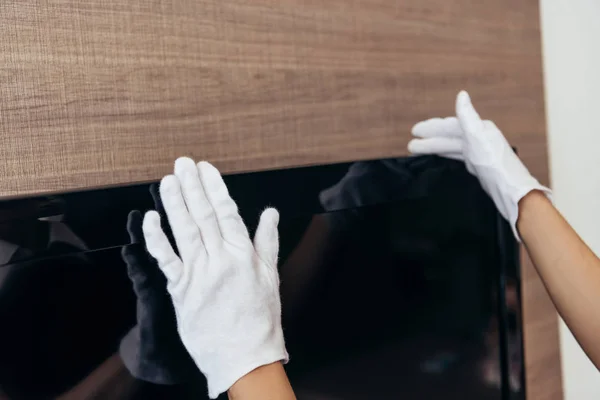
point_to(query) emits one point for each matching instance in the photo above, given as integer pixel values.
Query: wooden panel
(104, 92)
(542, 351)
(100, 93)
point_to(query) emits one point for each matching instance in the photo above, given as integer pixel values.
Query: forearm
(268, 382)
(569, 269)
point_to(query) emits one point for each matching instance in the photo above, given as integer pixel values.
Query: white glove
(225, 289)
(486, 153)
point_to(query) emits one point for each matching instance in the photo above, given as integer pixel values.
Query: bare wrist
(527, 206)
(267, 382)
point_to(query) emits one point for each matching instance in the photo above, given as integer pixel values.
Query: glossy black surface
(398, 280)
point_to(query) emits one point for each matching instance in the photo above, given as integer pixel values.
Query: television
(399, 279)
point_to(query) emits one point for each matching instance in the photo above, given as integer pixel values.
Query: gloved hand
(225, 288)
(152, 350)
(484, 150)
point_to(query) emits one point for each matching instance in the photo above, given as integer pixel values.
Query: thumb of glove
(266, 238)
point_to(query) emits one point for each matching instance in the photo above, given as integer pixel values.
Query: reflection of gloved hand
(485, 151)
(152, 351)
(225, 288)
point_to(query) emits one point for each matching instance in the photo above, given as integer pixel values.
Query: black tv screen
(398, 280)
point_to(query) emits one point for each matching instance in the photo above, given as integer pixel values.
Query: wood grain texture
(107, 92)
(542, 351)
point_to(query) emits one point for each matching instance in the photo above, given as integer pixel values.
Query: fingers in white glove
(266, 238)
(159, 247)
(485, 151)
(444, 147)
(229, 273)
(467, 115)
(197, 202)
(186, 232)
(228, 218)
(438, 127)
(440, 136)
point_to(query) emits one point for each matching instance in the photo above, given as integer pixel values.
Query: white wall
(571, 44)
